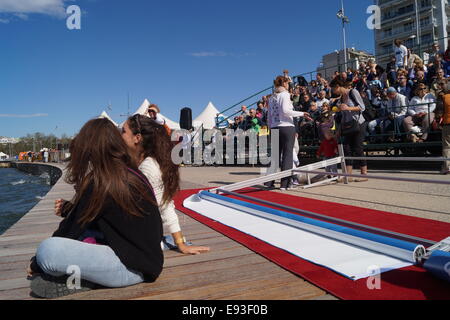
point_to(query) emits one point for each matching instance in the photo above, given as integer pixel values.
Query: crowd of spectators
(402, 99)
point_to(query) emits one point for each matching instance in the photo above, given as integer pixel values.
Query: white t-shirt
(281, 111)
(420, 105)
(400, 54)
(321, 102)
(150, 168)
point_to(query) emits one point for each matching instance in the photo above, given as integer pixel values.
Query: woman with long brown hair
(151, 147)
(112, 230)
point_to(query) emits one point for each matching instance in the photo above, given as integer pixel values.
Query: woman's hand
(58, 207)
(307, 116)
(29, 271)
(344, 107)
(194, 250)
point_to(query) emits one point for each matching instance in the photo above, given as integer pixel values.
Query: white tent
(104, 115)
(143, 110)
(3, 156)
(207, 117)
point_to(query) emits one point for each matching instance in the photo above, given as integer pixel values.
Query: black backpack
(302, 81)
(369, 113)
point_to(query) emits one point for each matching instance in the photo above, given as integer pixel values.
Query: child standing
(328, 149)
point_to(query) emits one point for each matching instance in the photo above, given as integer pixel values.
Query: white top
(400, 54)
(150, 168)
(281, 109)
(419, 105)
(321, 102)
(398, 105)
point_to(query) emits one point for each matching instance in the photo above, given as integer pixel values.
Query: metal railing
(398, 126)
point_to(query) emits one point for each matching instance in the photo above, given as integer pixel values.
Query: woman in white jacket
(281, 117)
(151, 146)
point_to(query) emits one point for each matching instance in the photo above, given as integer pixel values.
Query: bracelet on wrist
(180, 241)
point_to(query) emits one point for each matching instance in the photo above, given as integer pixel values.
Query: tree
(35, 142)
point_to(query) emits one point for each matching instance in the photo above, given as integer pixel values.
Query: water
(19, 192)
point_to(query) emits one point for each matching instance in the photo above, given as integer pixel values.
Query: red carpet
(410, 283)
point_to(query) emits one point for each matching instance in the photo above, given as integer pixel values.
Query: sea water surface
(19, 192)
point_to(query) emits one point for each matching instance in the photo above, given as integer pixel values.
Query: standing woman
(281, 117)
(111, 233)
(352, 108)
(151, 148)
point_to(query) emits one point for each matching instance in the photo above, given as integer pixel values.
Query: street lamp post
(344, 19)
(416, 5)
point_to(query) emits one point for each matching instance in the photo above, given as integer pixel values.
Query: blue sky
(175, 53)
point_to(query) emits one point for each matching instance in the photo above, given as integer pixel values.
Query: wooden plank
(14, 283)
(15, 258)
(186, 260)
(18, 272)
(276, 290)
(166, 284)
(16, 294)
(24, 237)
(280, 288)
(19, 251)
(18, 266)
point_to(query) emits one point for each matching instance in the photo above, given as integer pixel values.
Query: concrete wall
(38, 169)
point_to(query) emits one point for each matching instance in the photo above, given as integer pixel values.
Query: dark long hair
(158, 145)
(99, 158)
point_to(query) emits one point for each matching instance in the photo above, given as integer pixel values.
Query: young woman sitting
(151, 148)
(112, 230)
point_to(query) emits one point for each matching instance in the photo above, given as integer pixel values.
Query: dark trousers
(353, 145)
(286, 152)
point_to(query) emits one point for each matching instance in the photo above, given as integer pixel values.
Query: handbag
(349, 125)
(369, 113)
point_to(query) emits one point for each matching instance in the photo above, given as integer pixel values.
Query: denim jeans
(97, 263)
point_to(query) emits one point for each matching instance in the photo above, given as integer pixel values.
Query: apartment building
(399, 20)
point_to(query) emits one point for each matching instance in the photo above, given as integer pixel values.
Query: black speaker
(186, 119)
(62, 146)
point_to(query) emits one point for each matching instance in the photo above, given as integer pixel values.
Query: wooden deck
(229, 271)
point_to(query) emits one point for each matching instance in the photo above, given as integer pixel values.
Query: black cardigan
(135, 240)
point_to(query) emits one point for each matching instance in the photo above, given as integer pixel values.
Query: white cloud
(4, 21)
(21, 8)
(203, 54)
(209, 54)
(22, 16)
(35, 115)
